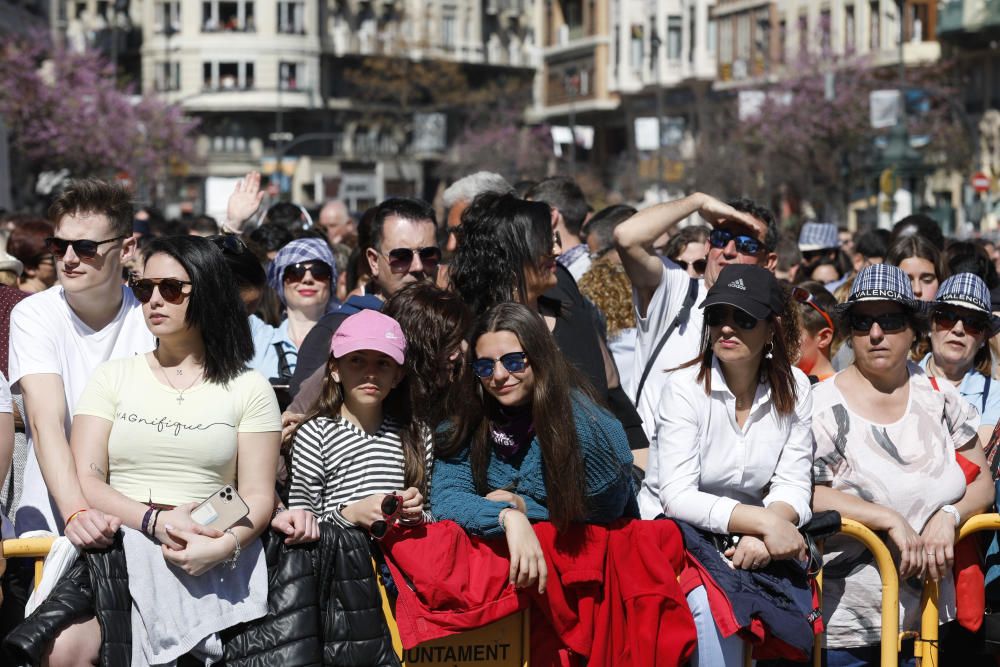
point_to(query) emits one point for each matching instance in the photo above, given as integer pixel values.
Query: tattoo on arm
(96, 468)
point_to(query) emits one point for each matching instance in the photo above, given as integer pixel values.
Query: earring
(769, 354)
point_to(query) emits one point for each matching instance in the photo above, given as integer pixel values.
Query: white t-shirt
(683, 346)
(46, 336)
(6, 400)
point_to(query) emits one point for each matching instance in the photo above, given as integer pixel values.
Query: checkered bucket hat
(882, 282)
(967, 290)
(818, 236)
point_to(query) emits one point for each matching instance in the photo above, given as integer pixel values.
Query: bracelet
(503, 516)
(145, 520)
(236, 554)
(152, 527)
(74, 515)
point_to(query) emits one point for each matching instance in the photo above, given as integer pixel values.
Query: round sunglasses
(295, 273)
(513, 362)
(716, 316)
(973, 324)
(171, 289)
(746, 245)
(83, 248)
(392, 504)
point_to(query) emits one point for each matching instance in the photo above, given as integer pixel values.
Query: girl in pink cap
(360, 445)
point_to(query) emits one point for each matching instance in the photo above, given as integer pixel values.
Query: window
(782, 40)
(726, 41)
(233, 16)
(448, 27)
(711, 37)
(743, 47)
(825, 32)
(636, 48)
(692, 32)
(573, 16)
(165, 14)
(291, 17)
(227, 76)
(919, 26)
(849, 29)
(675, 26)
(762, 40)
(874, 26)
(803, 34)
(288, 74)
(167, 76)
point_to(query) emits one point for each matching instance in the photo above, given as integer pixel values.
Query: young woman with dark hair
(510, 456)
(155, 434)
(733, 451)
(921, 261)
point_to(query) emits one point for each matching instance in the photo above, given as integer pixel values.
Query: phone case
(221, 510)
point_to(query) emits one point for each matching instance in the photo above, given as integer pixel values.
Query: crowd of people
(553, 406)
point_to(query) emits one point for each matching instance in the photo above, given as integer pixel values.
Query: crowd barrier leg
(31, 547)
(926, 646)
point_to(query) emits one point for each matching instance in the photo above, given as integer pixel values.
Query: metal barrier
(30, 547)
(926, 646)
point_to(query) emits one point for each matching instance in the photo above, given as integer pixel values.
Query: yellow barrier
(926, 646)
(30, 547)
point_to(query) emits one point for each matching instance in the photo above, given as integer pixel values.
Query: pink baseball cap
(369, 330)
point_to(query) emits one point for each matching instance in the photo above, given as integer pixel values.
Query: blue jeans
(713, 649)
(865, 656)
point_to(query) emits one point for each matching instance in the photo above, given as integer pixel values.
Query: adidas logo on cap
(738, 284)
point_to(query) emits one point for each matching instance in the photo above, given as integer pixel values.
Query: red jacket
(612, 596)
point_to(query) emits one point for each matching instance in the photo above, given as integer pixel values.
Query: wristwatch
(952, 510)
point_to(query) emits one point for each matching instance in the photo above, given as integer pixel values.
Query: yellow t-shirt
(171, 452)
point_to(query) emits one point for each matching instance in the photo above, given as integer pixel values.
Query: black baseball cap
(748, 287)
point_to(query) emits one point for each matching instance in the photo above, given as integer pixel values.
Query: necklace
(180, 392)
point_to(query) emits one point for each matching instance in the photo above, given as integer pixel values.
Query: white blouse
(702, 464)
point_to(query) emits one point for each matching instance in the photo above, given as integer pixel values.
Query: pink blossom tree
(64, 110)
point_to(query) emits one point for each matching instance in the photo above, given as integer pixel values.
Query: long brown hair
(776, 371)
(396, 405)
(551, 406)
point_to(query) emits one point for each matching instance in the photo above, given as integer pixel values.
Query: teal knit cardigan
(610, 492)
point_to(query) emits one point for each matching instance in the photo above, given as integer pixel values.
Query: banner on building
(884, 108)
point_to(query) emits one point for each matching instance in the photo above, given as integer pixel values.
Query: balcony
(960, 18)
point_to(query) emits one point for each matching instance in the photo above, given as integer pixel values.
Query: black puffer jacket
(323, 608)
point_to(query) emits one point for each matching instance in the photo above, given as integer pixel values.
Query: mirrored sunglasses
(747, 245)
(513, 362)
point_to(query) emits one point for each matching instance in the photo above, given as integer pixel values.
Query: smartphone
(221, 510)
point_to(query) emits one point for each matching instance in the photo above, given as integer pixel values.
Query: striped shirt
(334, 463)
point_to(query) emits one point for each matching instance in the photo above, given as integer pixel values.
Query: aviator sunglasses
(716, 316)
(402, 258)
(747, 245)
(973, 324)
(887, 322)
(514, 362)
(171, 289)
(320, 271)
(84, 248)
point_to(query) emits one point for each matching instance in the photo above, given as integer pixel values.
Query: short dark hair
(871, 244)
(762, 213)
(92, 195)
(602, 224)
(919, 224)
(214, 306)
(284, 214)
(684, 237)
(812, 321)
(968, 257)
(271, 238)
(408, 208)
(564, 195)
(204, 224)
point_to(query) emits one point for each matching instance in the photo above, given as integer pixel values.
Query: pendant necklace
(180, 392)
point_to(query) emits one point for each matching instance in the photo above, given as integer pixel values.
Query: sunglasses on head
(229, 243)
(973, 324)
(716, 316)
(83, 248)
(171, 289)
(746, 245)
(392, 504)
(320, 271)
(514, 362)
(887, 322)
(698, 265)
(402, 258)
(805, 297)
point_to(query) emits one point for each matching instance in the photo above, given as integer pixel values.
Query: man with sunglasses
(59, 336)
(403, 251)
(664, 293)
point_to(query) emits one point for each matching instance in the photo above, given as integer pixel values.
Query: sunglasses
(887, 322)
(716, 316)
(391, 506)
(229, 243)
(973, 324)
(171, 289)
(514, 362)
(805, 297)
(83, 248)
(400, 259)
(295, 273)
(698, 265)
(747, 245)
